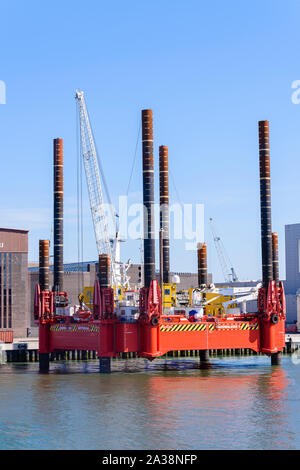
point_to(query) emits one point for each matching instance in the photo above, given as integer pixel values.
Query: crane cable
(102, 175)
(179, 199)
(134, 160)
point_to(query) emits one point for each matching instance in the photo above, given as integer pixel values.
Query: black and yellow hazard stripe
(94, 328)
(74, 328)
(55, 328)
(246, 326)
(211, 326)
(185, 327)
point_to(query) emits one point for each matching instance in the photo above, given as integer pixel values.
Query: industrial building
(14, 301)
(292, 268)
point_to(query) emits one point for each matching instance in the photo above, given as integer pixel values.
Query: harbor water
(231, 403)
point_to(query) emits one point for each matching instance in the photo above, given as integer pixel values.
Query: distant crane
(226, 265)
(105, 245)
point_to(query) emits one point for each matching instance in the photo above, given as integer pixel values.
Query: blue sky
(209, 71)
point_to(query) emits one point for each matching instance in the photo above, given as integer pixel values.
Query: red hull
(111, 338)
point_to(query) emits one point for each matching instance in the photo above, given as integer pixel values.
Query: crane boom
(229, 274)
(92, 172)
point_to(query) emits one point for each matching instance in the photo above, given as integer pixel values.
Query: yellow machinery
(119, 293)
(213, 302)
(214, 306)
(169, 295)
(88, 294)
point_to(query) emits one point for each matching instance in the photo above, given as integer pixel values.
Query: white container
(128, 314)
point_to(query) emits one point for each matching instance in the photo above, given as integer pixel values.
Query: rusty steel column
(58, 215)
(164, 209)
(44, 264)
(202, 283)
(148, 196)
(265, 203)
(104, 270)
(202, 264)
(275, 256)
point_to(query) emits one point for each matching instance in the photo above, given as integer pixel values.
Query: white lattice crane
(92, 172)
(226, 266)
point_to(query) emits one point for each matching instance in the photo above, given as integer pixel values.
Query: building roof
(17, 230)
(68, 267)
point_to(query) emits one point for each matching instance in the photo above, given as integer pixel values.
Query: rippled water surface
(232, 403)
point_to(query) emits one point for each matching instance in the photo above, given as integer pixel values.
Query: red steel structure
(275, 256)
(155, 334)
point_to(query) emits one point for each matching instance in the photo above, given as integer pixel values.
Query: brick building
(14, 312)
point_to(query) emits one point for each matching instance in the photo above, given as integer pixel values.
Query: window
(0, 290)
(9, 291)
(4, 291)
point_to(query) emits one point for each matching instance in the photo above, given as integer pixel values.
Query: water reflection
(215, 411)
(167, 404)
